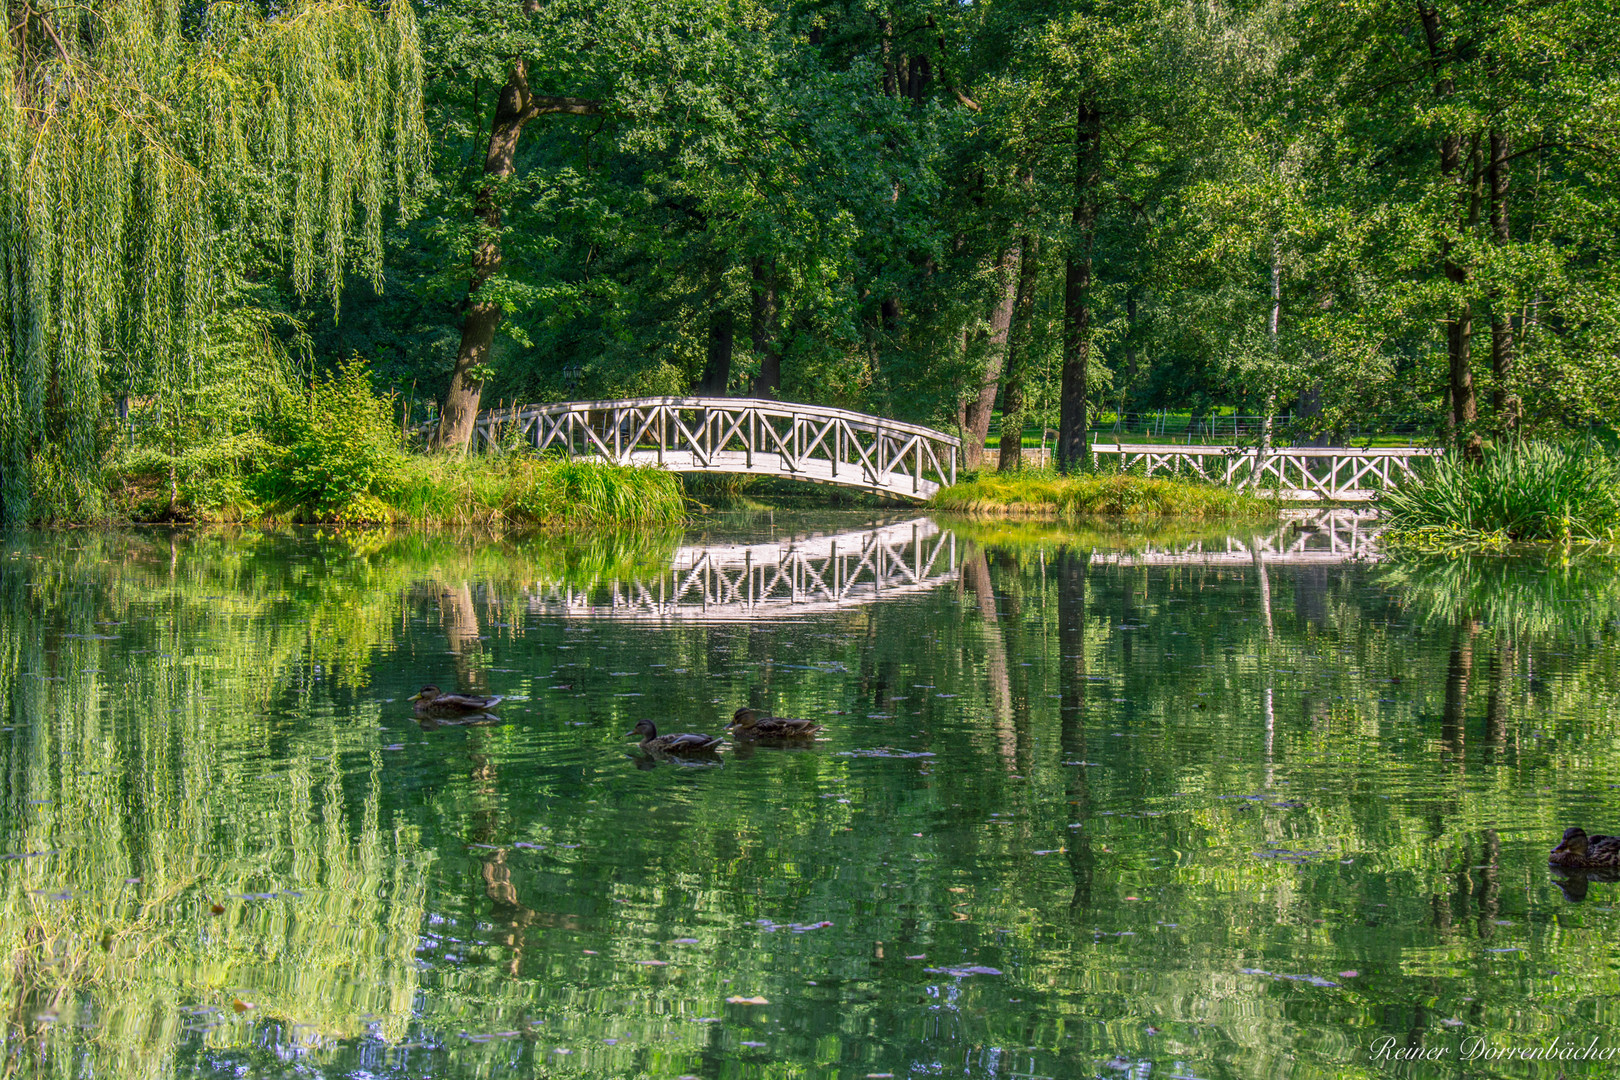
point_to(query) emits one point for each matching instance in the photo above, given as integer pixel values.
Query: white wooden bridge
(790, 577)
(736, 435)
(1333, 474)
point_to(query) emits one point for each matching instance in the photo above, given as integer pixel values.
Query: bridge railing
(1332, 473)
(735, 435)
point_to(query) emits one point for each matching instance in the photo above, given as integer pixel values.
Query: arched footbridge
(736, 435)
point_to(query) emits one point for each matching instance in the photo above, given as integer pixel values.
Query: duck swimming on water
(753, 724)
(429, 701)
(685, 743)
(1577, 850)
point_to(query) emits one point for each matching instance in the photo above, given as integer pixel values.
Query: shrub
(1529, 491)
(340, 458)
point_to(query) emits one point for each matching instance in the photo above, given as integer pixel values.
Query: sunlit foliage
(153, 156)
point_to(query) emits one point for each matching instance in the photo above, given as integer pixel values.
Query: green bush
(340, 457)
(1528, 491)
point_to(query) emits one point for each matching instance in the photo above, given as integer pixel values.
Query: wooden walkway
(736, 435)
(1336, 474)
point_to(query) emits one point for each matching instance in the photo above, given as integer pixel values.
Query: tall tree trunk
(891, 79)
(1276, 350)
(717, 372)
(1460, 324)
(764, 332)
(1072, 452)
(917, 77)
(515, 107)
(975, 412)
(1018, 343)
(1504, 401)
(1460, 319)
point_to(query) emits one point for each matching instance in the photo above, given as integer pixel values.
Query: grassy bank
(336, 457)
(1527, 493)
(1033, 493)
(522, 490)
(504, 491)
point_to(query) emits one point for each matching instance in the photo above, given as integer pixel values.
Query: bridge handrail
(818, 443)
(1275, 451)
(768, 406)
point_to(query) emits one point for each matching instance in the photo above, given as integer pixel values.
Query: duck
(685, 743)
(1577, 850)
(429, 701)
(753, 724)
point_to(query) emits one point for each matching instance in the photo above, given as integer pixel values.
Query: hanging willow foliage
(138, 138)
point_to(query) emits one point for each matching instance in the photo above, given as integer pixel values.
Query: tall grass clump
(1522, 492)
(1043, 493)
(519, 489)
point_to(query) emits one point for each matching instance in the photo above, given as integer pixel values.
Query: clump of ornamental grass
(521, 490)
(1514, 493)
(1044, 493)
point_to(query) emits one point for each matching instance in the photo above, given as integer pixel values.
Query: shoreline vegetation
(431, 491)
(1520, 493)
(1040, 493)
(338, 458)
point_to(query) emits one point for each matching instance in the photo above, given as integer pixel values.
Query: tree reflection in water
(1016, 776)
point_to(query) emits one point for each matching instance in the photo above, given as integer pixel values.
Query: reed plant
(1518, 492)
(1045, 493)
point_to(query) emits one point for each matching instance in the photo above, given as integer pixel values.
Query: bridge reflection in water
(817, 574)
(1302, 538)
(739, 582)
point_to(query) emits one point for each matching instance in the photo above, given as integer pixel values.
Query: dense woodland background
(1324, 211)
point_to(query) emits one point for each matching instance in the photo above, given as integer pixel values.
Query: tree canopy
(156, 162)
(1342, 214)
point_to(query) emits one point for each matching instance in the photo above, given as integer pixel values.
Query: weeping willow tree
(154, 157)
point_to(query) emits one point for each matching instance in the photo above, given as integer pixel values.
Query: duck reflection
(1573, 883)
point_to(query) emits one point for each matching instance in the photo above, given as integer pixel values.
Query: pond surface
(1085, 805)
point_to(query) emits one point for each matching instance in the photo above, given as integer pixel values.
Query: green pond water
(1199, 804)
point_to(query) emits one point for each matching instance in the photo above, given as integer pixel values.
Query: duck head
(1573, 845)
(427, 693)
(645, 729)
(744, 719)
